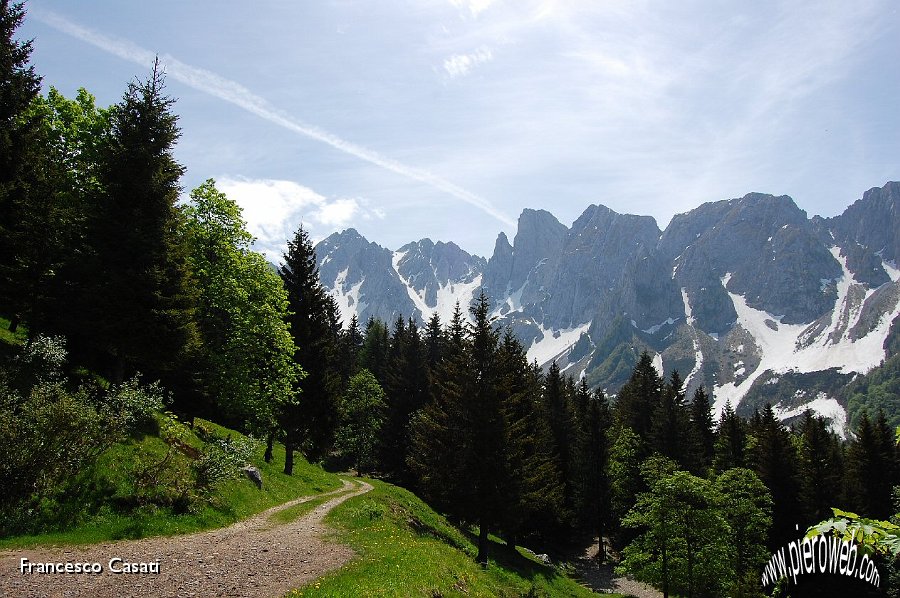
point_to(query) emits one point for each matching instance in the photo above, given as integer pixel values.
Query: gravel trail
(255, 557)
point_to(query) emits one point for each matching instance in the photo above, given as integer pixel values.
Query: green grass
(406, 549)
(12, 338)
(109, 481)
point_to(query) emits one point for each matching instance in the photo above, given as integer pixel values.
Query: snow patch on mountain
(698, 353)
(551, 344)
(347, 298)
(832, 347)
(824, 406)
(891, 268)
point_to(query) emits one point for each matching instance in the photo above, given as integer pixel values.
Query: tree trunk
(270, 442)
(14, 323)
(482, 557)
(289, 454)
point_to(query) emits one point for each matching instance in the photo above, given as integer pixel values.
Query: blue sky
(445, 118)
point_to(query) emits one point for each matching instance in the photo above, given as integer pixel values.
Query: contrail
(235, 93)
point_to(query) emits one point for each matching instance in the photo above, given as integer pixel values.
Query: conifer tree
(638, 398)
(313, 421)
(533, 484)
(19, 146)
(702, 434)
(559, 408)
(407, 392)
(593, 492)
(731, 439)
(373, 355)
(438, 456)
(140, 300)
(670, 423)
(871, 466)
(820, 467)
(774, 459)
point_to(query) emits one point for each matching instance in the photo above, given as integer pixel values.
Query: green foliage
(747, 507)
(49, 431)
(683, 543)
(19, 145)
(878, 389)
(361, 417)
(222, 459)
(874, 534)
(242, 312)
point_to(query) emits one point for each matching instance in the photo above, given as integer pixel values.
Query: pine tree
(407, 391)
(140, 299)
(312, 323)
(439, 449)
(373, 355)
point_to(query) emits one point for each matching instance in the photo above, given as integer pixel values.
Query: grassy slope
(236, 499)
(406, 549)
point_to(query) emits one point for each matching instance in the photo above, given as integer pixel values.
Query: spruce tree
(820, 467)
(533, 485)
(140, 299)
(558, 404)
(407, 391)
(670, 423)
(729, 448)
(702, 432)
(592, 448)
(373, 355)
(311, 424)
(439, 445)
(871, 467)
(638, 398)
(774, 459)
(19, 146)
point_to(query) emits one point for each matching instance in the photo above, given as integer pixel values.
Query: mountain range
(749, 297)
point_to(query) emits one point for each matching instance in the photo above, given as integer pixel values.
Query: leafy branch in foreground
(874, 534)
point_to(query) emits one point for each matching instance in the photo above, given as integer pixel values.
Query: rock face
(735, 294)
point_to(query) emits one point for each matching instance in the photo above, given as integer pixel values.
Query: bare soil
(255, 557)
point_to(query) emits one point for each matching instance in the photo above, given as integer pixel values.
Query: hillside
(397, 541)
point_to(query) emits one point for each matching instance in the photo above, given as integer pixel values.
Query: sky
(446, 118)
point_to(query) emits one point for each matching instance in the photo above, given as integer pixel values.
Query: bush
(222, 459)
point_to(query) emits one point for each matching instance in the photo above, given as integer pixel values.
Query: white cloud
(459, 65)
(338, 213)
(274, 209)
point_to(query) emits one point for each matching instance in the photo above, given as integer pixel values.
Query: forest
(128, 301)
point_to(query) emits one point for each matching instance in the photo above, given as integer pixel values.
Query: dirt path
(604, 579)
(254, 558)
